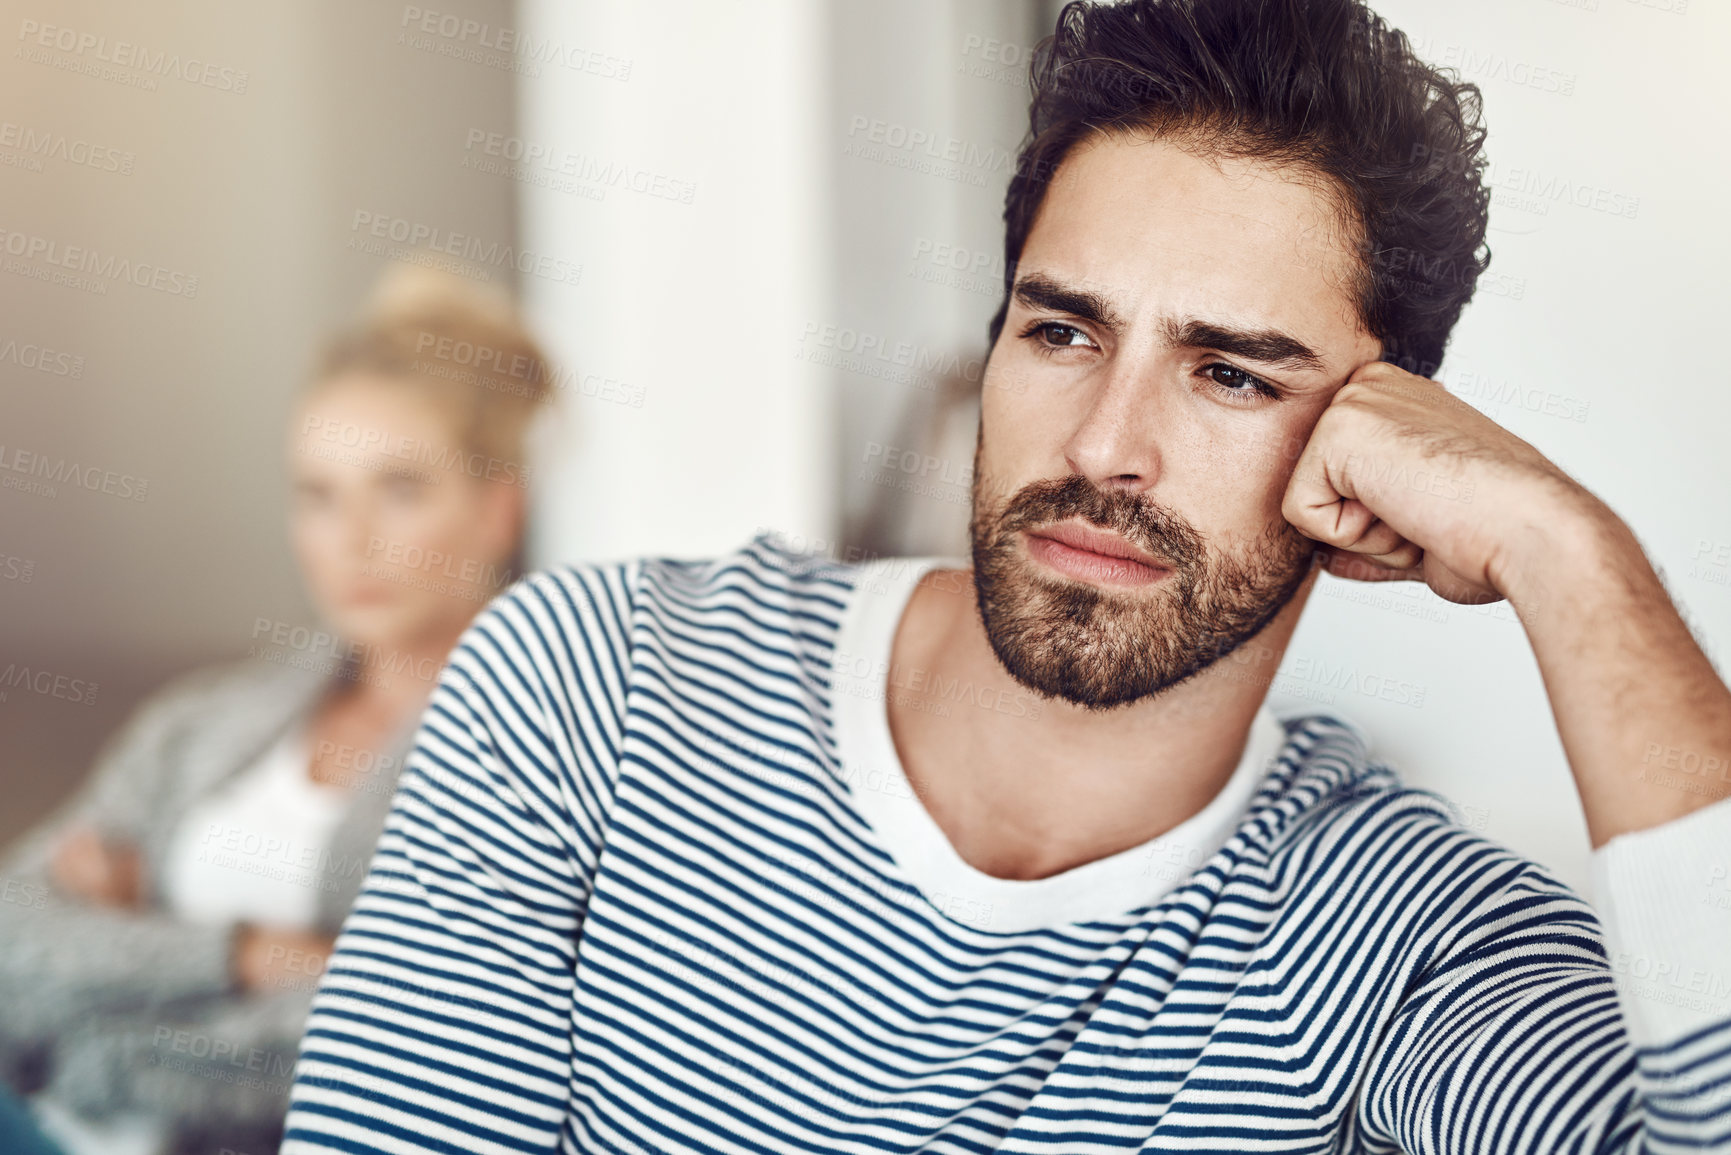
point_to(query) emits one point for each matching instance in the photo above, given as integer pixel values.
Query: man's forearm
(1644, 718)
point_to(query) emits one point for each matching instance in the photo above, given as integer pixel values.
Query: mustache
(1134, 516)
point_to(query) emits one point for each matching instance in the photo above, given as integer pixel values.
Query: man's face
(1178, 325)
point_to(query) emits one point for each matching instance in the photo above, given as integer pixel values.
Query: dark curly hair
(1322, 85)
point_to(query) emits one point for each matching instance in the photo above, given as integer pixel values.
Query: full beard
(1101, 647)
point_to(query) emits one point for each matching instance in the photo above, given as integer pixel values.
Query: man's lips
(1094, 555)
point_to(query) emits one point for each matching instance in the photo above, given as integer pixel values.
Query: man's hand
(109, 873)
(1402, 480)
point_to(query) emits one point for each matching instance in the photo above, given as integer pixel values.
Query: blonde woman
(184, 901)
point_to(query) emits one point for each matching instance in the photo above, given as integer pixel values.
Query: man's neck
(1026, 787)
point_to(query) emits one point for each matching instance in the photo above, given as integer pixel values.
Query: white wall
(929, 103)
(690, 307)
(793, 321)
(1615, 319)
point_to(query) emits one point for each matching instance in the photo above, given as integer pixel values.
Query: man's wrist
(1567, 542)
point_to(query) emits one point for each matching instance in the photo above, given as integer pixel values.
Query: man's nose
(1114, 444)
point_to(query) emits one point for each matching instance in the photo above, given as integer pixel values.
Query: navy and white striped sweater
(626, 901)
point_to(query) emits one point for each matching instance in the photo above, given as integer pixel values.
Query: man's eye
(1057, 335)
(1234, 380)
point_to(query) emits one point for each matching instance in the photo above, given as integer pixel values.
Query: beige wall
(251, 185)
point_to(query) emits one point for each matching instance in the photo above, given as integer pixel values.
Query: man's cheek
(1275, 459)
(1292, 443)
(1252, 493)
(1015, 394)
(1018, 443)
(1276, 445)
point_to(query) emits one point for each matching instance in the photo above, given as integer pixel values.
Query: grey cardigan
(138, 1010)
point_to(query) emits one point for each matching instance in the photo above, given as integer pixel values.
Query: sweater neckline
(1116, 887)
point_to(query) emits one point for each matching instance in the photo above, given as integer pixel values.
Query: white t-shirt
(1099, 889)
(257, 848)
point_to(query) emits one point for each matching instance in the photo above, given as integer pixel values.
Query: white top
(257, 848)
(1104, 888)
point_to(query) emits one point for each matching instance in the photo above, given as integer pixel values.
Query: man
(655, 879)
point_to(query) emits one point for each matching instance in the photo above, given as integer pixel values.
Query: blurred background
(762, 240)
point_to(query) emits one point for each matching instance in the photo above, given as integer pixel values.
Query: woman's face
(401, 531)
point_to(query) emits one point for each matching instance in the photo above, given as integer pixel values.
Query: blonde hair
(461, 343)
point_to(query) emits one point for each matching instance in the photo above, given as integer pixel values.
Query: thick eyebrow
(1041, 292)
(1267, 346)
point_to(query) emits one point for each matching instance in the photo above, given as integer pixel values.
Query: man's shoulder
(769, 579)
(1330, 802)
(770, 564)
(1324, 763)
